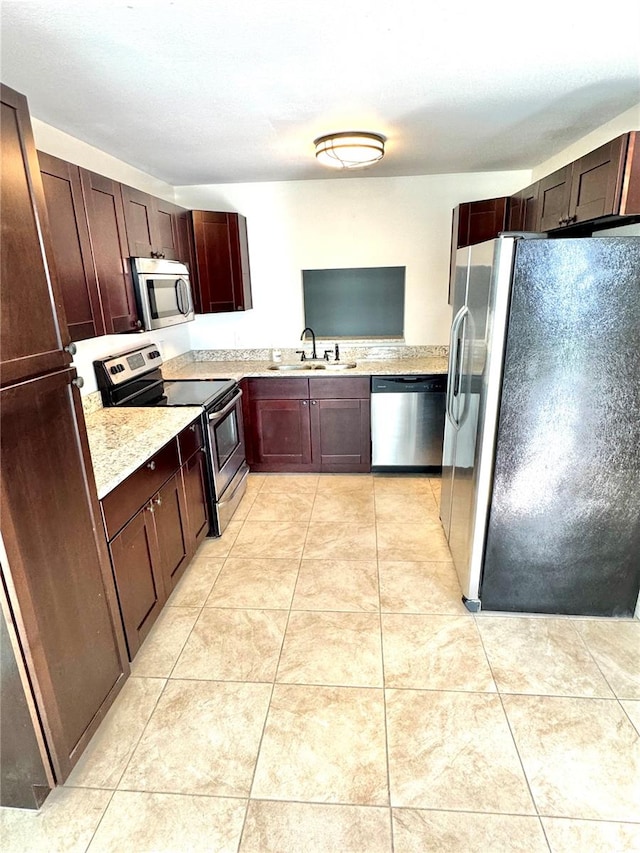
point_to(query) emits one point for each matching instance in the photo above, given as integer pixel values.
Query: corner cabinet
(474, 222)
(299, 425)
(72, 247)
(154, 522)
(220, 267)
(57, 588)
(90, 244)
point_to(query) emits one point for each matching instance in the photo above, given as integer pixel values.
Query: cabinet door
(523, 210)
(281, 435)
(341, 435)
(33, 330)
(172, 530)
(105, 215)
(553, 199)
(222, 278)
(72, 247)
(138, 217)
(136, 561)
(195, 487)
(57, 571)
(167, 238)
(596, 181)
(474, 222)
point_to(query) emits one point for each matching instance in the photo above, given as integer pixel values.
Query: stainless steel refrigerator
(541, 459)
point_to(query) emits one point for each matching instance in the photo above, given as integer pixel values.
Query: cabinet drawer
(337, 388)
(126, 499)
(294, 388)
(190, 440)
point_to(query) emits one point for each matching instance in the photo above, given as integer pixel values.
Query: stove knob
(113, 370)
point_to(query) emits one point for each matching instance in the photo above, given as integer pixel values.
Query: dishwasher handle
(418, 384)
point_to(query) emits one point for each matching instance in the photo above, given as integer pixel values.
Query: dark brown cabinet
(152, 226)
(56, 574)
(523, 210)
(603, 184)
(194, 468)
(340, 424)
(308, 424)
(155, 521)
(136, 566)
(72, 247)
(554, 192)
(474, 222)
(105, 217)
(33, 330)
(220, 268)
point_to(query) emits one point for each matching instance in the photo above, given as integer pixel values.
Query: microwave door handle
(180, 296)
(187, 297)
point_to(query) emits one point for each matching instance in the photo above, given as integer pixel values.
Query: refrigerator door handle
(454, 340)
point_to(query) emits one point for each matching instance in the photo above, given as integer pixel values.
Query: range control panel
(128, 365)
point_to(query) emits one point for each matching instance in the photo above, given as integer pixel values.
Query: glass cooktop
(195, 392)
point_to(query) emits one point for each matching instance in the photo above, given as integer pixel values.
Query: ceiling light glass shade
(349, 150)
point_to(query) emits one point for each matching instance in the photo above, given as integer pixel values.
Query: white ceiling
(236, 90)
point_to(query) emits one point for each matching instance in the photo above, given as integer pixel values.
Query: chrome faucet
(314, 354)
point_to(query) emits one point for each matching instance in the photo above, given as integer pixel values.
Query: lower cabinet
(300, 425)
(151, 551)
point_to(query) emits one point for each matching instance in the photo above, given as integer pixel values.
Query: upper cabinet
(152, 226)
(523, 210)
(474, 222)
(105, 216)
(221, 274)
(603, 183)
(33, 332)
(72, 247)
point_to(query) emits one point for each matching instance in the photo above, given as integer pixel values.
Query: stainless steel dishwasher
(407, 422)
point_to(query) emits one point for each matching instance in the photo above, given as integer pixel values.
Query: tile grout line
(384, 691)
(513, 738)
(273, 687)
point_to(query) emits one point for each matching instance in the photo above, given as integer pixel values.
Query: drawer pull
(151, 465)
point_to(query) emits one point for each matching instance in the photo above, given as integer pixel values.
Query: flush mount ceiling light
(351, 149)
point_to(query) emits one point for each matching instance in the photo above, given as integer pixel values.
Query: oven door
(165, 300)
(226, 443)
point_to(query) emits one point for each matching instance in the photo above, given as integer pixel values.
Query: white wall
(60, 144)
(629, 120)
(351, 222)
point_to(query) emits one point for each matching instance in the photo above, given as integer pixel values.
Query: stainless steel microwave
(163, 292)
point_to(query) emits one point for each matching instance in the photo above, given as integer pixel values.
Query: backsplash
(367, 350)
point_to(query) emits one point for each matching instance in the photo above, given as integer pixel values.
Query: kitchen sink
(306, 365)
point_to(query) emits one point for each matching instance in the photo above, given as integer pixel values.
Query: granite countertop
(243, 369)
(121, 440)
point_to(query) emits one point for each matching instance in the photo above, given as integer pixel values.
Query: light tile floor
(315, 684)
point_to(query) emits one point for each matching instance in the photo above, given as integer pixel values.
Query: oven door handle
(216, 416)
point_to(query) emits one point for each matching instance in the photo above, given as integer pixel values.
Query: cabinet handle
(192, 427)
(303, 402)
(137, 324)
(314, 402)
(72, 349)
(150, 508)
(151, 465)
(157, 501)
(78, 381)
(572, 219)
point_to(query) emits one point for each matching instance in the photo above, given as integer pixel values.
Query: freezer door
(564, 527)
(464, 410)
(461, 278)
